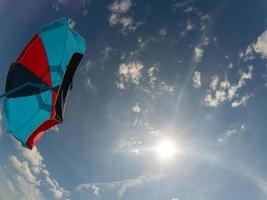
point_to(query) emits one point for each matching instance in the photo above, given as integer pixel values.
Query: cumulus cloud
(119, 10)
(261, 45)
(129, 73)
(32, 166)
(23, 168)
(121, 186)
(197, 79)
(221, 91)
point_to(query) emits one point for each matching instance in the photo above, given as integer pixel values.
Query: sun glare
(166, 149)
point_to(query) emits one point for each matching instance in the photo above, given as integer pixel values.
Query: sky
(191, 71)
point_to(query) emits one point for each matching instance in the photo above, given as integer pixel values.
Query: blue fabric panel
(23, 115)
(60, 43)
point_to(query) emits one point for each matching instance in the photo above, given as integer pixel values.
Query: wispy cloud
(233, 131)
(120, 186)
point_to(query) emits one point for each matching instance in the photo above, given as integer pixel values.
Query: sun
(166, 149)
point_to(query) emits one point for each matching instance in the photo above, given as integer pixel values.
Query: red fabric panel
(34, 58)
(54, 98)
(38, 133)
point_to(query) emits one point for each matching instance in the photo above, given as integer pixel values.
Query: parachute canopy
(38, 82)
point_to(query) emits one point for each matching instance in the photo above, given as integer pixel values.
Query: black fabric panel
(66, 85)
(18, 76)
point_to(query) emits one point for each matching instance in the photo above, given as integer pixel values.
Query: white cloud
(224, 90)
(121, 186)
(185, 6)
(106, 52)
(24, 169)
(261, 45)
(189, 26)
(151, 75)
(129, 73)
(119, 10)
(58, 4)
(121, 6)
(241, 101)
(33, 164)
(214, 82)
(234, 130)
(88, 83)
(136, 108)
(197, 79)
(87, 66)
(198, 53)
(165, 87)
(29, 191)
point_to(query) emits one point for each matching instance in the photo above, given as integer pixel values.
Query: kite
(38, 83)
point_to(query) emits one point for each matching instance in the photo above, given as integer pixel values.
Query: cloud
(197, 79)
(241, 101)
(165, 87)
(129, 73)
(184, 6)
(151, 75)
(225, 91)
(119, 10)
(198, 53)
(58, 4)
(106, 52)
(33, 166)
(28, 191)
(121, 186)
(136, 108)
(234, 130)
(189, 26)
(121, 6)
(24, 169)
(88, 83)
(260, 46)
(163, 32)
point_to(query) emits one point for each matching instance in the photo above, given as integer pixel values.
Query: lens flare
(166, 149)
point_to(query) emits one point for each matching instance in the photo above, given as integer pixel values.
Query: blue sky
(191, 71)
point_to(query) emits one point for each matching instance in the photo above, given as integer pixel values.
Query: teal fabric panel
(23, 115)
